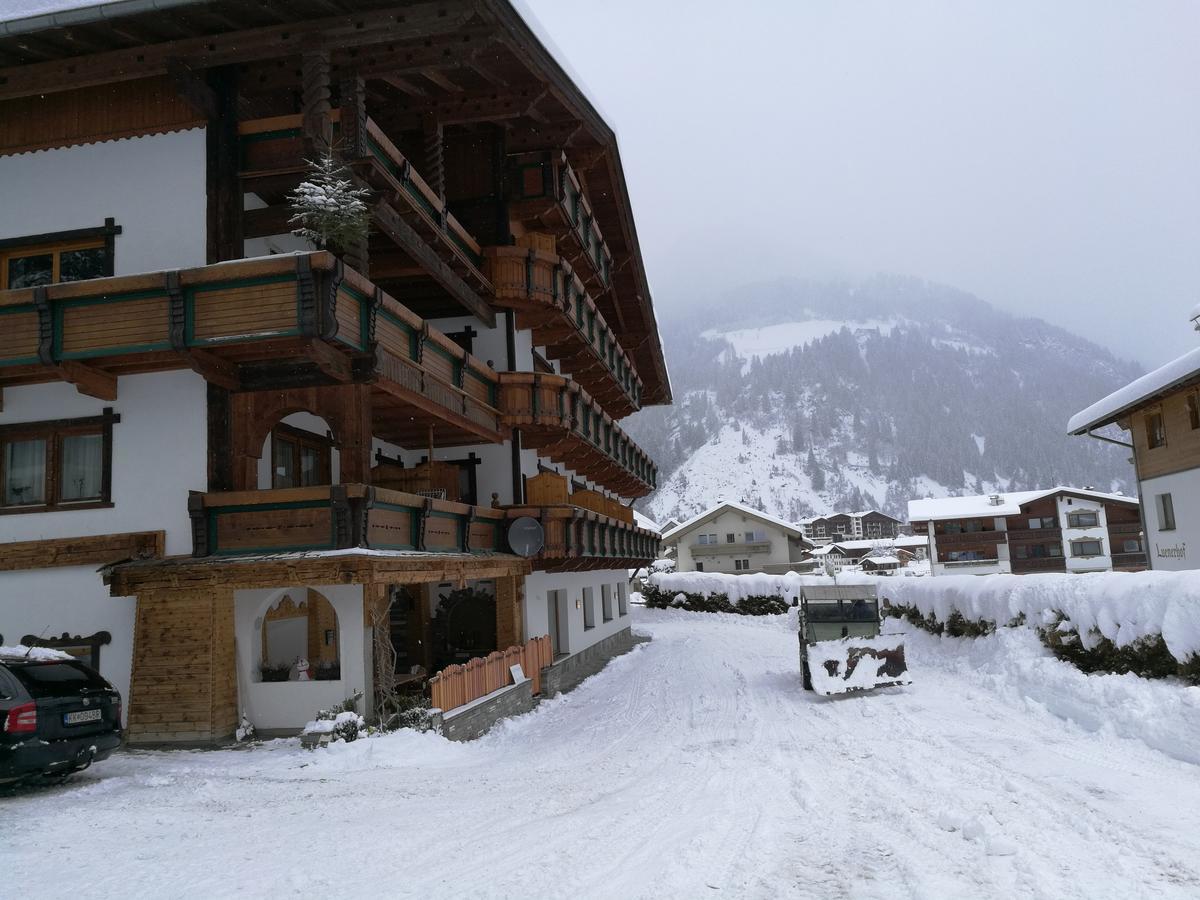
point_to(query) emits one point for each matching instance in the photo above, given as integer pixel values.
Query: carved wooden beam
(87, 379)
(213, 369)
(333, 363)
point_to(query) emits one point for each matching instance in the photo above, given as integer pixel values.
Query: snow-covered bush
(748, 595)
(1142, 622)
(340, 722)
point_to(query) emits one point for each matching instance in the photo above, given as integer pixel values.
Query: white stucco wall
(537, 588)
(1102, 563)
(288, 705)
(730, 521)
(159, 454)
(1178, 549)
(152, 186)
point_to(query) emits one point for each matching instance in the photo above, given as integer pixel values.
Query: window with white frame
(1083, 519)
(1087, 548)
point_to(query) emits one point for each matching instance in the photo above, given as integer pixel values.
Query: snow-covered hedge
(752, 595)
(1104, 612)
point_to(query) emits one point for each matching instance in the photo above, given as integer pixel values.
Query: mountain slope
(804, 397)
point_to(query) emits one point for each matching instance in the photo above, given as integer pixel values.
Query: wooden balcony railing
(560, 420)
(1124, 528)
(338, 517)
(551, 301)
(1032, 535)
(579, 539)
(273, 148)
(968, 563)
(958, 538)
(249, 324)
(545, 193)
(1130, 561)
(1039, 564)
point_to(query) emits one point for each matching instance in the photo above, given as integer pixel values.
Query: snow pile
(738, 587)
(1119, 606)
(44, 653)
(1014, 665)
(831, 672)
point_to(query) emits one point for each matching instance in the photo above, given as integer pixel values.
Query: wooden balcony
(561, 421)
(735, 549)
(1032, 535)
(959, 538)
(1130, 562)
(423, 239)
(1039, 564)
(339, 517)
(291, 320)
(545, 194)
(551, 301)
(580, 539)
(1133, 528)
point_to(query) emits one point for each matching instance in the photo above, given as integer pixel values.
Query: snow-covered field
(692, 767)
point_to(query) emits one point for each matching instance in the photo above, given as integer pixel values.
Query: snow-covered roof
(736, 507)
(1161, 380)
(905, 541)
(646, 522)
(931, 509)
(826, 550)
(881, 560)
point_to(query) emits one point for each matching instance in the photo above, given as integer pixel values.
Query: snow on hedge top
(735, 507)
(1121, 606)
(1102, 412)
(1010, 504)
(738, 587)
(23, 652)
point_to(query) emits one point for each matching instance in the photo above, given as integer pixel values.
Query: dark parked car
(57, 716)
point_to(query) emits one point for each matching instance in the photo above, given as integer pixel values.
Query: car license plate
(84, 715)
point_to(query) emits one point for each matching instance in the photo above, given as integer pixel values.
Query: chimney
(995, 499)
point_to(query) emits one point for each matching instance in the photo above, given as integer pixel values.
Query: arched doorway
(300, 639)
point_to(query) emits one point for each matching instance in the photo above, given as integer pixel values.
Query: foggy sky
(1043, 154)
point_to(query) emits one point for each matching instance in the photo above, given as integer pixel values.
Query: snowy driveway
(692, 767)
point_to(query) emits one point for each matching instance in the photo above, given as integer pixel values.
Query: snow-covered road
(692, 767)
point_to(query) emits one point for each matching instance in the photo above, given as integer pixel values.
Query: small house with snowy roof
(736, 538)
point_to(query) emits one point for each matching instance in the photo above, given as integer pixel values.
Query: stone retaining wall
(566, 674)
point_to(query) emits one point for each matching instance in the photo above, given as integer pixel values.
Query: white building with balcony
(738, 539)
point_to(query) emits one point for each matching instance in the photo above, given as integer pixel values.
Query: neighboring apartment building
(281, 451)
(867, 524)
(735, 538)
(1056, 530)
(1161, 413)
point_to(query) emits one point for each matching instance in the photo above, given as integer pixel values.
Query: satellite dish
(525, 536)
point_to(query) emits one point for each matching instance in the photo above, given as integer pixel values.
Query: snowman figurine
(301, 669)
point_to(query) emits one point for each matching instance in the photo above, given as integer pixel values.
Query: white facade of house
(735, 539)
(1173, 548)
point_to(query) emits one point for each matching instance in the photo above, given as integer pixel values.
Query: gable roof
(936, 509)
(1137, 393)
(733, 505)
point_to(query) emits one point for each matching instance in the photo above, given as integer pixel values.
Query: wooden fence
(457, 686)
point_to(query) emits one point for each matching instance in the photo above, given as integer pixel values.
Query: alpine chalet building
(1060, 529)
(247, 477)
